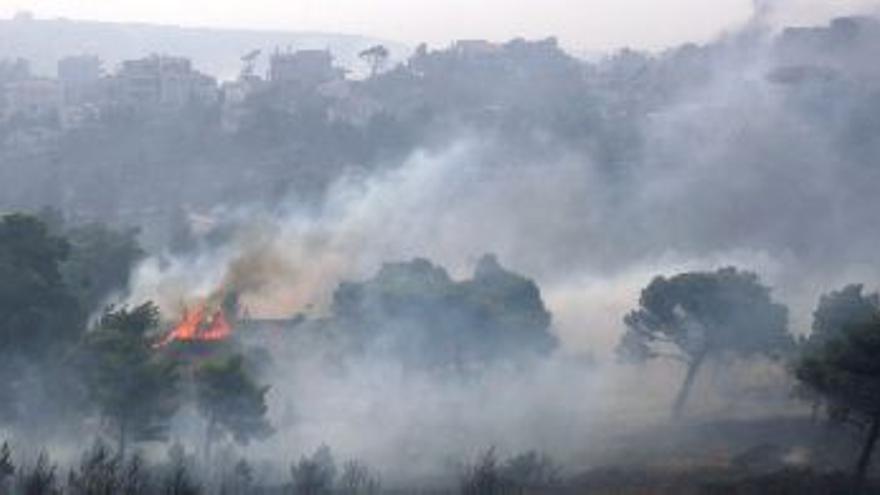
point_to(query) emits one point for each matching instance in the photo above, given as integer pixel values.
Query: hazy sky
(580, 24)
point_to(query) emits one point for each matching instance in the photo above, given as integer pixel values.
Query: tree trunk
(685, 391)
(867, 451)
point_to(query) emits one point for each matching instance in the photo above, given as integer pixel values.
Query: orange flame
(194, 327)
(218, 329)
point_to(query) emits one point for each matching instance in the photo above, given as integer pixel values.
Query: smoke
(740, 170)
(783, 13)
(549, 221)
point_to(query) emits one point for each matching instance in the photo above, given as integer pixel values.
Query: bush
(39, 479)
(314, 475)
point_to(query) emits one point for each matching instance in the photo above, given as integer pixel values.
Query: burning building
(200, 325)
(205, 325)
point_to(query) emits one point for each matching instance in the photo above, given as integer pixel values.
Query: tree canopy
(132, 386)
(418, 312)
(231, 402)
(842, 309)
(37, 311)
(696, 315)
(100, 262)
(845, 368)
(39, 317)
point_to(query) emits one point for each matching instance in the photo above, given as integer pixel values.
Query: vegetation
(696, 316)
(39, 317)
(845, 368)
(100, 262)
(136, 386)
(432, 321)
(837, 311)
(132, 387)
(7, 469)
(231, 402)
(524, 473)
(377, 57)
(315, 474)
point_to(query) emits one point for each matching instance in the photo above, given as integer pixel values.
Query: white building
(162, 82)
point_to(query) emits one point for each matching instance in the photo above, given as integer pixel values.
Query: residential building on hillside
(303, 67)
(161, 82)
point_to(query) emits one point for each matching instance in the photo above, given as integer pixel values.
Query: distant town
(84, 90)
(125, 107)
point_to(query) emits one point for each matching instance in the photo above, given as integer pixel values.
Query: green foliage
(522, 473)
(532, 470)
(376, 56)
(511, 305)
(314, 475)
(180, 482)
(841, 309)
(845, 369)
(356, 479)
(837, 311)
(240, 480)
(137, 322)
(38, 315)
(39, 479)
(483, 477)
(7, 468)
(706, 312)
(231, 401)
(697, 315)
(37, 312)
(417, 311)
(132, 385)
(101, 472)
(100, 262)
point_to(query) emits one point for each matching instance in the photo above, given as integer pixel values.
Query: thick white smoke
(733, 173)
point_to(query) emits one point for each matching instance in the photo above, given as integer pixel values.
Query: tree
(131, 384)
(483, 477)
(511, 307)
(179, 480)
(35, 306)
(39, 479)
(231, 402)
(239, 480)
(100, 262)
(314, 475)
(7, 468)
(837, 311)
(38, 314)
(695, 316)
(356, 479)
(846, 369)
(532, 470)
(376, 56)
(103, 472)
(841, 309)
(427, 319)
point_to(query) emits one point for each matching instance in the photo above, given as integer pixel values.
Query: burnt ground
(778, 456)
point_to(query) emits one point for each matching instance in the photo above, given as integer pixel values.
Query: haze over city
(582, 25)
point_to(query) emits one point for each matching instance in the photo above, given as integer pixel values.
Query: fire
(195, 327)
